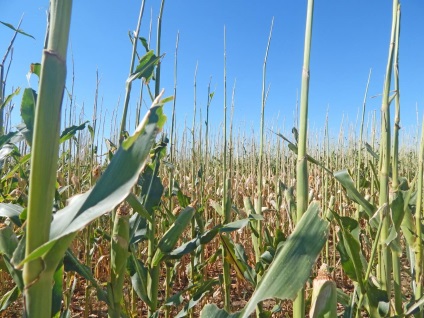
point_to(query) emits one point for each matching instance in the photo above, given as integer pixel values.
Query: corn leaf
(346, 181)
(16, 30)
(111, 189)
(293, 263)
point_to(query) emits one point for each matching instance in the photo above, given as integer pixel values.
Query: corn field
(203, 221)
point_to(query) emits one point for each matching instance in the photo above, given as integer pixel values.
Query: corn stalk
(302, 161)
(44, 158)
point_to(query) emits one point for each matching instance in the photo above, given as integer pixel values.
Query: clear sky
(349, 38)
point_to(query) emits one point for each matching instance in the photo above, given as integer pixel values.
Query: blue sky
(349, 38)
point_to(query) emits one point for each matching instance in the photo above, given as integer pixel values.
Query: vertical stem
(358, 168)
(225, 201)
(397, 280)
(129, 83)
(418, 226)
(385, 265)
(44, 157)
(302, 167)
(153, 275)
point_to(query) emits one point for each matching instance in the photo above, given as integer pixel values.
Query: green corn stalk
(418, 266)
(226, 203)
(171, 172)
(129, 83)
(118, 259)
(358, 167)
(302, 161)
(385, 263)
(153, 274)
(44, 157)
(257, 240)
(397, 281)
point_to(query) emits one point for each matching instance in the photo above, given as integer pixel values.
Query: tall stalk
(153, 273)
(361, 132)
(257, 240)
(128, 84)
(418, 266)
(44, 159)
(385, 145)
(226, 198)
(397, 280)
(168, 288)
(302, 167)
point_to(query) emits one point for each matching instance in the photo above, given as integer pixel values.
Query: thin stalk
(302, 167)
(418, 266)
(361, 132)
(385, 145)
(397, 280)
(257, 240)
(168, 288)
(2, 77)
(44, 159)
(128, 84)
(225, 199)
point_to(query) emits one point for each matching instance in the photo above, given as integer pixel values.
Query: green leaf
(144, 43)
(57, 291)
(35, 68)
(29, 100)
(9, 97)
(171, 237)
(236, 256)
(146, 67)
(350, 248)
(234, 226)
(16, 30)
(9, 297)
(204, 289)
(138, 274)
(293, 263)
(72, 264)
(136, 205)
(11, 211)
(8, 241)
(69, 132)
(346, 181)
(212, 311)
(191, 245)
(111, 189)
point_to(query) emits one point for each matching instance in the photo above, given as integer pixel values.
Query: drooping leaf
(136, 205)
(201, 291)
(212, 311)
(138, 274)
(72, 264)
(145, 68)
(171, 237)
(11, 211)
(144, 43)
(236, 256)
(9, 297)
(346, 181)
(70, 132)
(35, 68)
(349, 248)
(9, 97)
(111, 189)
(293, 263)
(191, 245)
(234, 226)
